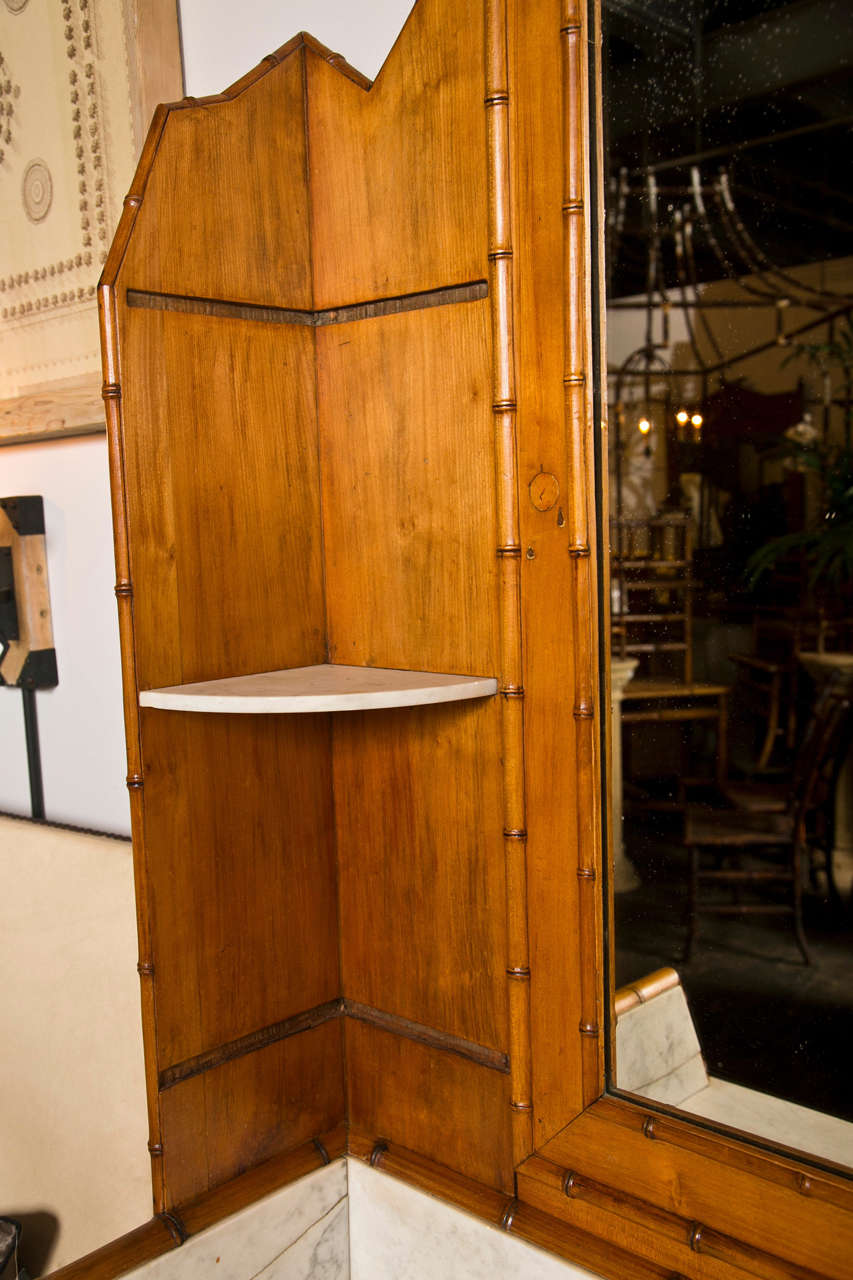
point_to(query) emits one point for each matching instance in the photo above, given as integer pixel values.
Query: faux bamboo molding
(595, 1204)
(635, 993)
(124, 601)
(512, 718)
(578, 430)
(782, 1170)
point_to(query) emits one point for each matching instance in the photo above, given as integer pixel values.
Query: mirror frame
(627, 1188)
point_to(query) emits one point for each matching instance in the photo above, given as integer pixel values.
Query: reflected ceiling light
(682, 417)
(696, 419)
(644, 426)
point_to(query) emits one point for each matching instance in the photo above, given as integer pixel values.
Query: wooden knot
(189, 101)
(515, 833)
(572, 28)
(323, 1153)
(588, 1028)
(512, 691)
(379, 1149)
(696, 1237)
(124, 588)
(510, 552)
(134, 781)
(177, 1230)
(503, 406)
(155, 1149)
(573, 206)
(574, 379)
(271, 58)
(586, 873)
(508, 1214)
(570, 1185)
(497, 254)
(804, 1184)
(145, 969)
(523, 1108)
(579, 550)
(111, 391)
(520, 973)
(648, 1127)
(132, 202)
(584, 711)
(495, 99)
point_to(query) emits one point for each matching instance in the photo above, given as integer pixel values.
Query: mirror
(730, 360)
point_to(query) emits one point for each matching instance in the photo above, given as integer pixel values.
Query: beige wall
(72, 1091)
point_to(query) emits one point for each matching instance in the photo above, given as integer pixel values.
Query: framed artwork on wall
(79, 81)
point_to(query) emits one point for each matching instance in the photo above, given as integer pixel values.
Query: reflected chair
(769, 677)
(652, 621)
(767, 849)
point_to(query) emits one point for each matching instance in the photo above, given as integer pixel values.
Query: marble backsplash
(350, 1221)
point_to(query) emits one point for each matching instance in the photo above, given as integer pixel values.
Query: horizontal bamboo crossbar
(445, 296)
(308, 1019)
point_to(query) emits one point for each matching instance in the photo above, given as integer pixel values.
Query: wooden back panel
(398, 201)
(225, 213)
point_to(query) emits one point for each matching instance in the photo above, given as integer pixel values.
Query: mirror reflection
(729, 207)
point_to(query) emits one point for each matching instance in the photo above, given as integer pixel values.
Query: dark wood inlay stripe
(471, 292)
(310, 1018)
(478, 1053)
(255, 1040)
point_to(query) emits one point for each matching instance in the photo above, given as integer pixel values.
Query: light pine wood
(770, 1204)
(406, 464)
(264, 259)
(384, 1074)
(445, 968)
(32, 598)
(422, 118)
(392, 920)
(75, 408)
(320, 688)
(216, 885)
(154, 47)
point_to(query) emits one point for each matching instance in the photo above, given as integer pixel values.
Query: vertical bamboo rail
(579, 409)
(124, 597)
(509, 554)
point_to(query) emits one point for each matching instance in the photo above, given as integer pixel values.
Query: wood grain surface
(393, 918)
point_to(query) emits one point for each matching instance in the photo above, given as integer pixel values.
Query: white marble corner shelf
(327, 687)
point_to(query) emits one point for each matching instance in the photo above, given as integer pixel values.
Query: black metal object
(8, 607)
(31, 730)
(26, 514)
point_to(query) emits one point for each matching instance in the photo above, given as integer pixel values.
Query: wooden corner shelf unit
(349, 378)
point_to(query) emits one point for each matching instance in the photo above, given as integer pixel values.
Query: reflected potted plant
(826, 545)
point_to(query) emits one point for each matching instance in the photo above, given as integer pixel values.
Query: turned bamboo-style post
(579, 416)
(509, 555)
(124, 598)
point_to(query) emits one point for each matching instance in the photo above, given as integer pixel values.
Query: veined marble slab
(398, 1233)
(327, 687)
(298, 1233)
(657, 1050)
